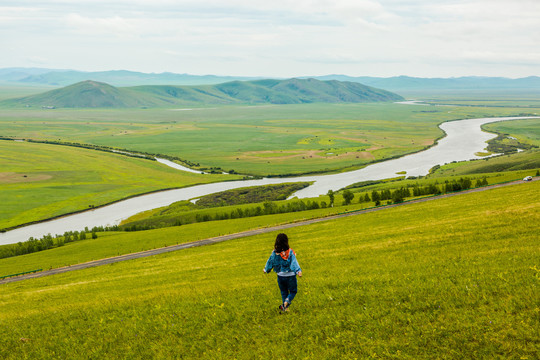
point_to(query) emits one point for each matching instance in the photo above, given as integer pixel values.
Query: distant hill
(33, 76)
(86, 94)
(400, 84)
(403, 83)
(93, 94)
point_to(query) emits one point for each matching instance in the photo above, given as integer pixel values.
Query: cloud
(100, 26)
(382, 37)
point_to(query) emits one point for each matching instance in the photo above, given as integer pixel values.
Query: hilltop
(93, 94)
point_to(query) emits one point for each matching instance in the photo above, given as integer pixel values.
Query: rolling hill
(401, 84)
(86, 94)
(93, 94)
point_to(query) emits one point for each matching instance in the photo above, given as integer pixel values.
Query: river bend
(463, 139)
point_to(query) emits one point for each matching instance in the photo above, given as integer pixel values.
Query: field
(445, 279)
(40, 181)
(258, 140)
(286, 139)
(527, 131)
(496, 166)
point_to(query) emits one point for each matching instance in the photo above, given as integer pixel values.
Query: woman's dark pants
(288, 287)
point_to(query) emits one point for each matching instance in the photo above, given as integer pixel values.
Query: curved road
(242, 234)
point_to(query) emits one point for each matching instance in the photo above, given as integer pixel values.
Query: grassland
(496, 166)
(287, 139)
(15, 91)
(261, 140)
(40, 181)
(457, 278)
(526, 131)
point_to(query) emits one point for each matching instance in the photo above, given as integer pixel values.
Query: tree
(397, 196)
(348, 196)
(331, 196)
(269, 207)
(375, 196)
(367, 198)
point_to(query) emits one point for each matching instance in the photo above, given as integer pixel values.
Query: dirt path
(242, 234)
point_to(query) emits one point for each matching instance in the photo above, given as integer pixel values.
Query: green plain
(253, 139)
(40, 181)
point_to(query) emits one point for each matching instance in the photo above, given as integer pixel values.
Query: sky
(275, 38)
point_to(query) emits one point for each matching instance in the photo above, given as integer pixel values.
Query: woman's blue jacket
(283, 267)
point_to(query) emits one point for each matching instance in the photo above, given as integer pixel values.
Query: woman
(283, 261)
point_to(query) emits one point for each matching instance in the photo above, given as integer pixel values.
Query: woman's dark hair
(282, 243)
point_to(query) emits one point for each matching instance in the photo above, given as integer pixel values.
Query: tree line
(271, 208)
(46, 242)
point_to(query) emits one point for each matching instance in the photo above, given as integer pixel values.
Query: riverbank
(464, 139)
(243, 234)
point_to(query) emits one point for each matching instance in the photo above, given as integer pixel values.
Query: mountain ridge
(94, 94)
(39, 76)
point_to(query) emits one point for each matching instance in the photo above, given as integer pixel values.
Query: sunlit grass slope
(457, 278)
(39, 181)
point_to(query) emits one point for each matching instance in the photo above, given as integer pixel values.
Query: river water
(463, 139)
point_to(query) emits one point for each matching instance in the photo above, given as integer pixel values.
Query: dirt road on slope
(242, 234)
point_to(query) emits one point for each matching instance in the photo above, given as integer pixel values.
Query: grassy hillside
(86, 94)
(453, 279)
(92, 94)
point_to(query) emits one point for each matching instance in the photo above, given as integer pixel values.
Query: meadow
(258, 140)
(451, 279)
(261, 140)
(526, 131)
(40, 181)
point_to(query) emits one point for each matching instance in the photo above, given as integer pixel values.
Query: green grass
(252, 139)
(40, 181)
(527, 160)
(457, 278)
(14, 91)
(526, 131)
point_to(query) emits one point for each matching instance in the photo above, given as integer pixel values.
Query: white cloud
(100, 26)
(280, 37)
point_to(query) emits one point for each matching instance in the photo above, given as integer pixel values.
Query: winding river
(463, 139)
